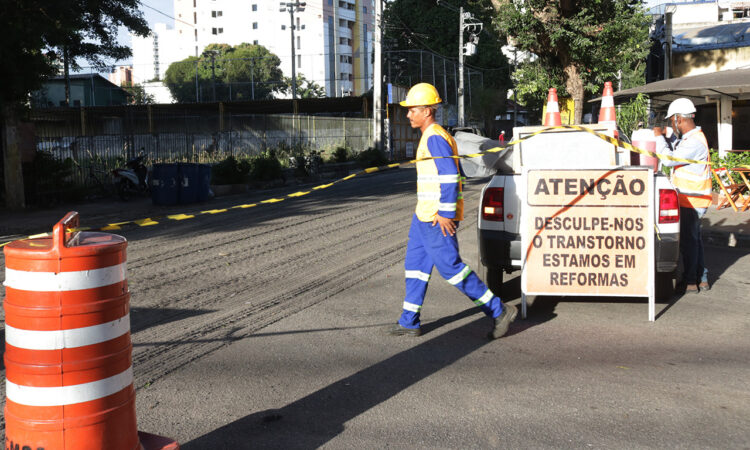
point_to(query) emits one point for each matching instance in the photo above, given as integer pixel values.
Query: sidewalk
(720, 228)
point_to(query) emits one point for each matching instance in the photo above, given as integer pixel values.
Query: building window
(255, 7)
(298, 43)
(194, 3)
(330, 2)
(299, 60)
(195, 17)
(217, 30)
(255, 25)
(364, 9)
(255, 42)
(196, 35)
(216, 14)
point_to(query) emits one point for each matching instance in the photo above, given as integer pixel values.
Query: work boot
(502, 322)
(398, 330)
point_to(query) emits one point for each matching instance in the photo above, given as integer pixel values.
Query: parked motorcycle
(132, 180)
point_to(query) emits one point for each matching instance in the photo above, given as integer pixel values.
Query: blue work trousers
(428, 248)
(691, 247)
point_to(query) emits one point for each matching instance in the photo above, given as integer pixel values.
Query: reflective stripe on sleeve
(72, 338)
(460, 276)
(412, 307)
(418, 275)
(68, 395)
(487, 296)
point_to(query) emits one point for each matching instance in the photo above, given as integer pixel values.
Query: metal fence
(82, 146)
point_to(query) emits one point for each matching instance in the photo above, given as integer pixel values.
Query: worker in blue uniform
(432, 236)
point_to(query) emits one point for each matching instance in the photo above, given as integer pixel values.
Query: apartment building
(333, 38)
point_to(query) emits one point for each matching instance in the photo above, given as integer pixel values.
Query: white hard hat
(680, 106)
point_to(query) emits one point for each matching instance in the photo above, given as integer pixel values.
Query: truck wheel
(664, 285)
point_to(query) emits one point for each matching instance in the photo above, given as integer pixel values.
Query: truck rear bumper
(499, 248)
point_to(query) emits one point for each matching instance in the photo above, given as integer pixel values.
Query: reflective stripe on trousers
(428, 248)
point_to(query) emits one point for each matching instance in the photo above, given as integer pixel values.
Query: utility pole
(213, 76)
(467, 22)
(297, 6)
(461, 67)
(377, 79)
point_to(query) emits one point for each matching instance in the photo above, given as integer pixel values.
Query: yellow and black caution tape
(149, 221)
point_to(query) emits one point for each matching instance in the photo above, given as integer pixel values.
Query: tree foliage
(423, 25)
(248, 71)
(305, 87)
(37, 34)
(137, 95)
(580, 44)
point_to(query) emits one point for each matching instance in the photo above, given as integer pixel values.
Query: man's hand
(447, 226)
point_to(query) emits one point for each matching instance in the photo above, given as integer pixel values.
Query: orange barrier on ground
(69, 375)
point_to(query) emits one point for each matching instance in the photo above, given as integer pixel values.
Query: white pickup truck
(500, 215)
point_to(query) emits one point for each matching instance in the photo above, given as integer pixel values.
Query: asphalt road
(263, 328)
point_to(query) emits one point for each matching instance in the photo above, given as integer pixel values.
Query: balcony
(348, 14)
(345, 68)
(344, 49)
(345, 32)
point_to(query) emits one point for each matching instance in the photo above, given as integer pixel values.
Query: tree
(137, 94)
(40, 36)
(580, 44)
(423, 25)
(243, 72)
(305, 87)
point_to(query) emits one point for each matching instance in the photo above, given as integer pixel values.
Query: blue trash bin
(189, 183)
(164, 184)
(204, 182)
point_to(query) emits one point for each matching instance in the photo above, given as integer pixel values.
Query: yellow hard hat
(422, 94)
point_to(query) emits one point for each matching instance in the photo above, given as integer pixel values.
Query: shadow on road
(314, 420)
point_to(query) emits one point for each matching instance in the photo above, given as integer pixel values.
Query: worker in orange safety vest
(432, 236)
(693, 184)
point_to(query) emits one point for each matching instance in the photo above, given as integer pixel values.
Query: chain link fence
(76, 149)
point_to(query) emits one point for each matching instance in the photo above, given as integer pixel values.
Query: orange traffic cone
(552, 116)
(607, 115)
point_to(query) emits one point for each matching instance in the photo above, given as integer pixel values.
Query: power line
(167, 15)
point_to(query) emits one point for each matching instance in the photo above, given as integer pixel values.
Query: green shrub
(48, 179)
(340, 155)
(371, 157)
(266, 167)
(230, 171)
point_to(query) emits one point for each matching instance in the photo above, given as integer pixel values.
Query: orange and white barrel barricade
(69, 375)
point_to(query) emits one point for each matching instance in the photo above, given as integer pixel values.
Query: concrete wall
(709, 61)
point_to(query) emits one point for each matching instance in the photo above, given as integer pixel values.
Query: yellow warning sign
(587, 232)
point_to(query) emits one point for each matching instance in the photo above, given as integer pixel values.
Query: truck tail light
(669, 208)
(492, 204)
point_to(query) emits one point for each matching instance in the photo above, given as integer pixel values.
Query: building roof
(712, 37)
(728, 82)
